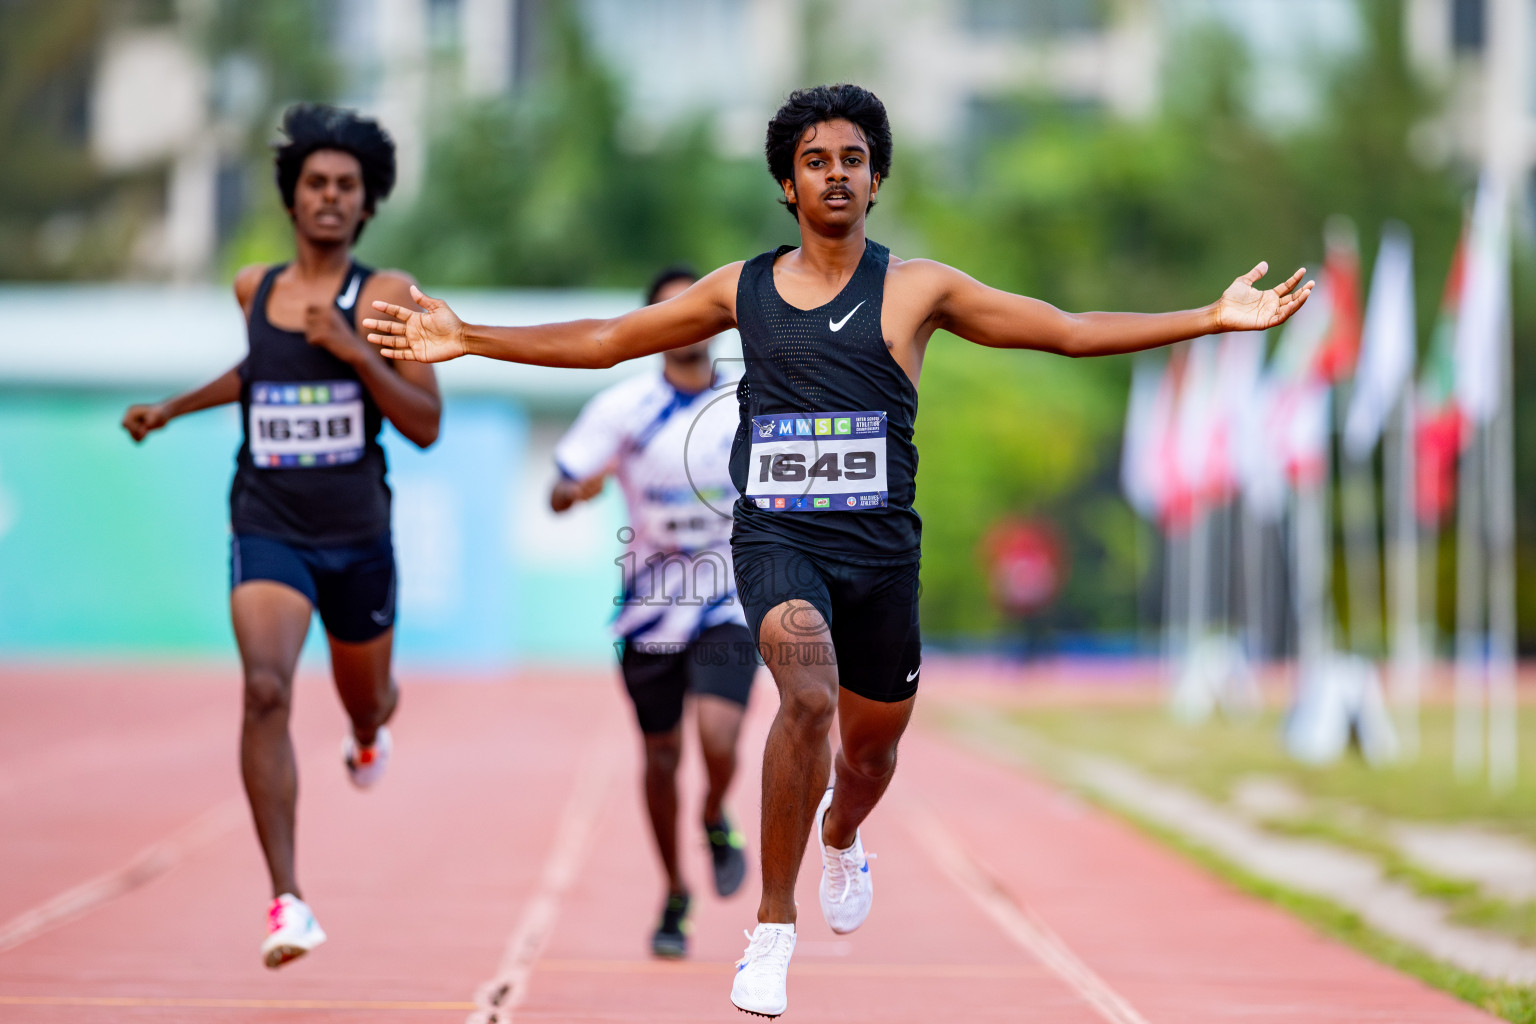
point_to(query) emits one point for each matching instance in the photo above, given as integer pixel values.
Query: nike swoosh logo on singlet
(839, 324)
(348, 297)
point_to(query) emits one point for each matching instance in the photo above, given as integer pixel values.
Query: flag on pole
(1335, 358)
(1297, 422)
(1239, 364)
(1484, 305)
(1439, 426)
(1147, 416)
(1196, 422)
(1317, 348)
(1387, 344)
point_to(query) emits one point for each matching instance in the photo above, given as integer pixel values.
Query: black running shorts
(721, 663)
(352, 586)
(870, 610)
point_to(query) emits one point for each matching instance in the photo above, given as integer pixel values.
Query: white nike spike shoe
(762, 973)
(365, 765)
(292, 931)
(846, 889)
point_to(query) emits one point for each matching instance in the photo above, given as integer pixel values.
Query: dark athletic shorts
(352, 586)
(721, 662)
(871, 611)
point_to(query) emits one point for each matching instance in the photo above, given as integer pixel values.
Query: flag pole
(1469, 606)
(1407, 646)
(1507, 97)
(1362, 554)
(1502, 732)
(1498, 443)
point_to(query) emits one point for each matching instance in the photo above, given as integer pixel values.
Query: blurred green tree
(540, 190)
(52, 198)
(1091, 213)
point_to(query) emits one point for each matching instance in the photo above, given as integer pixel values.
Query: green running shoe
(725, 849)
(671, 938)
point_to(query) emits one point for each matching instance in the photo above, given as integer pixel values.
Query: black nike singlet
(310, 469)
(823, 456)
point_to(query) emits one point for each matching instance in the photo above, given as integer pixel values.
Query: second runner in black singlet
(310, 467)
(309, 506)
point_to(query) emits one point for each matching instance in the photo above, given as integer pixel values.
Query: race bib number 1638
(824, 461)
(314, 423)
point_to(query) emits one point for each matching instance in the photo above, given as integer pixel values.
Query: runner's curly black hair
(808, 107)
(676, 272)
(314, 126)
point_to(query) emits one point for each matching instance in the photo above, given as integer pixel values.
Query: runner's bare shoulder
(247, 280)
(388, 286)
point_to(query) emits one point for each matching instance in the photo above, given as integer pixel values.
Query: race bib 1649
(817, 462)
(316, 423)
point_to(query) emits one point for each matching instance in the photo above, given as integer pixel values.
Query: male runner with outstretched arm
(825, 539)
(309, 506)
(667, 437)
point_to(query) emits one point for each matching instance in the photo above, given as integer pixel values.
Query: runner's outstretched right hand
(434, 335)
(140, 420)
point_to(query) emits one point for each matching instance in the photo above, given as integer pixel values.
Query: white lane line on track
(1014, 918)
(498, 998)
(151, 862)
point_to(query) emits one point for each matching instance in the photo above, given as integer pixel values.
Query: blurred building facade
(161, 105)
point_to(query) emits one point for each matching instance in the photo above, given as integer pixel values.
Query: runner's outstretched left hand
(1242, 307)
(433, 335)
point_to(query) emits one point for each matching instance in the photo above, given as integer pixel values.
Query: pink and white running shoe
(292, 931)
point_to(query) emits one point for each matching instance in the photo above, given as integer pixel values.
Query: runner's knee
(662, 754)
(717, 747)
(876, 762)
(810, 705)
(267, 692)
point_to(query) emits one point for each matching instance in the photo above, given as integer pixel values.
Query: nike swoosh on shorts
(837, 326)
(914, 673)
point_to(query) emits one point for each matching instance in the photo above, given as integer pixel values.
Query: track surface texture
(503, 872)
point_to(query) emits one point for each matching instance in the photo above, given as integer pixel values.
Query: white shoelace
(772, 946)
(843, 866)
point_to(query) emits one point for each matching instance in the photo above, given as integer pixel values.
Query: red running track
(503, 872)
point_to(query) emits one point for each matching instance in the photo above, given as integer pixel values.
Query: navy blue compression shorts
(352, 586)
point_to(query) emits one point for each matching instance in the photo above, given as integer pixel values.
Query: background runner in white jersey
(670, 451)
(667, 436)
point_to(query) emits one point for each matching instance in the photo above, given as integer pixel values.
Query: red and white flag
(1340, 345)
(1439, 423)
(1197, 419)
